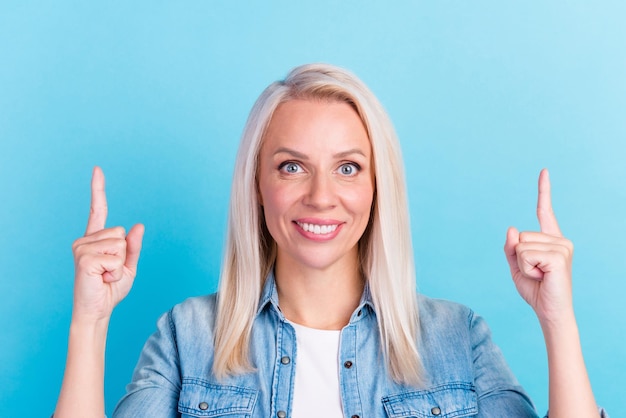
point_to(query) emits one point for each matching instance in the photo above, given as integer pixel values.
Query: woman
(316, 313)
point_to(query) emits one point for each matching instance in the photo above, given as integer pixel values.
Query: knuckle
(84, 260)
(78, 247)
(97, 210)
(526, 268)
(567, 249)
(120, 246)
(116, 265)
(76, 244)
(540, 212)
(119, 231)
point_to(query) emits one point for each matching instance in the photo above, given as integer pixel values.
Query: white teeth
(317, 229)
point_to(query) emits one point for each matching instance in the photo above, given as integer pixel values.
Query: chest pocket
(199, 398)
(445, 401)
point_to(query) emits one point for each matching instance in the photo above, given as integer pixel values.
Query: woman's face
(316, 183)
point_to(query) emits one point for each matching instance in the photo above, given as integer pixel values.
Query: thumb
(134, 240)
(512, 239)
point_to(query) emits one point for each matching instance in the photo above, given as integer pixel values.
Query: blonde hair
(385, 249)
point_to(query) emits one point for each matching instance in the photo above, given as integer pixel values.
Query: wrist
(87, 318)
(89, 331)
(558, 323)
(562, 338)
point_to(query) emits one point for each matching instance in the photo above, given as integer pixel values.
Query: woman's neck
(322, 299)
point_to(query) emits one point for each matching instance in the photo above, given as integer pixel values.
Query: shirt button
(285, 360)
(281, 414)
(355, 416)
(357, 314)
(347, 364)
(204, 406)
(436, 411)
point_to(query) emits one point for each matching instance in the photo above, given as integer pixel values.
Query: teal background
(483, 95)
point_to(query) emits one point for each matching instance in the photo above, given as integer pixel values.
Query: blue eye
(290, 167)
(349, 169)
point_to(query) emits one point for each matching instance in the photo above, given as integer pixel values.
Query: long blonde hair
(385, 249)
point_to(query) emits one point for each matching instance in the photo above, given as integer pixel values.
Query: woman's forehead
(309, 123)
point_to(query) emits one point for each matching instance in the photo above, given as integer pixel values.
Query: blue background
(483, 95)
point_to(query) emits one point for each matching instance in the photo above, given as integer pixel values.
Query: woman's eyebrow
(283, 150)
(297, 154)
(344, 154)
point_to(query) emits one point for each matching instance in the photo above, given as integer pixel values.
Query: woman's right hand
(105, 260)
(106, 263)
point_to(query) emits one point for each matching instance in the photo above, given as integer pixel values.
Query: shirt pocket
(444, 401)
(199, 398)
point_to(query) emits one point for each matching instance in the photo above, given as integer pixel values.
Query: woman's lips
(318, 229)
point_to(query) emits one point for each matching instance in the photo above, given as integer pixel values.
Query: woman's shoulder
(196, 304)
(440, 318)
(452, 337)
(433, 310)
(194, 312)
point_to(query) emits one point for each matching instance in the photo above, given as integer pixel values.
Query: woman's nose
(321, 193)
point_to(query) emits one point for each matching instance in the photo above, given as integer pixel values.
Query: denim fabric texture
(466, 373)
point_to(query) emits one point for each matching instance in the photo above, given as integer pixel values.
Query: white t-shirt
(316, 392)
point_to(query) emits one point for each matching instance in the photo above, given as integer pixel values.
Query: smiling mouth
(317, 229)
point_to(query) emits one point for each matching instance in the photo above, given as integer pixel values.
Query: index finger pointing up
(98, 212)
(545, 214)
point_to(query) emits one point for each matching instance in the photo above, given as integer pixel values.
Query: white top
(316, 392)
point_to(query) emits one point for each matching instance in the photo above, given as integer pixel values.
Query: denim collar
(269, 294)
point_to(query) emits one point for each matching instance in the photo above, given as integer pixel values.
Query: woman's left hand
(541, 262)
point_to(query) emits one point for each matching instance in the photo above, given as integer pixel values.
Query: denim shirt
(466, 373)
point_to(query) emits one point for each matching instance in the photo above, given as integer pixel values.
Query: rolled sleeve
(155, 387)
(603, 413)
(499, 393)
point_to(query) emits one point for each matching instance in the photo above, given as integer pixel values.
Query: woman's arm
(541, 267)
(570, 389)
(105, 267)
